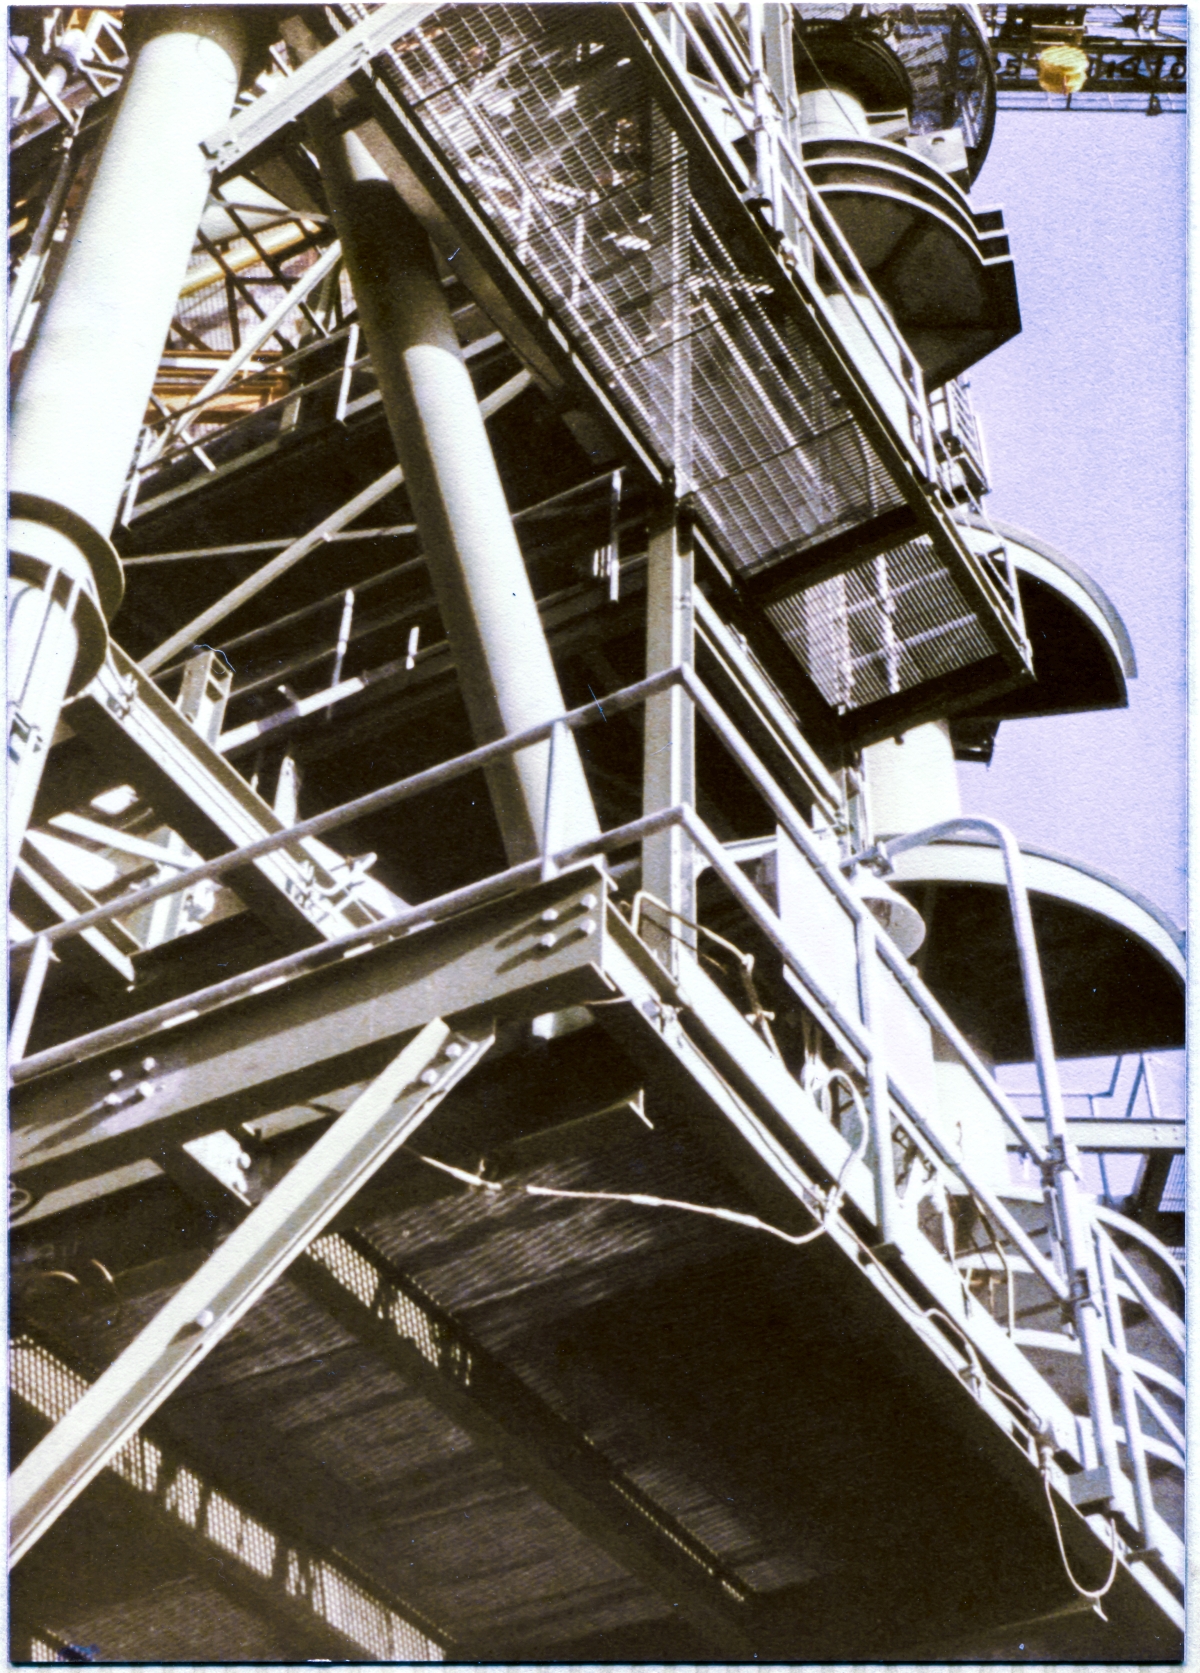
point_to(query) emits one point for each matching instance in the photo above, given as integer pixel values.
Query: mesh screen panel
(883, 627)
(42, 1381)
(580, 174)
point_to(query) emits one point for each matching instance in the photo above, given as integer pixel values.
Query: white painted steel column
(487, 605)
(90, 367)
(911, 780)
(669, 767)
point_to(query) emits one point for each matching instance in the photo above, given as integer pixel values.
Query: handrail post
(1061, 1166)
(1127, 1392)
(668, 771)
(878, 1096)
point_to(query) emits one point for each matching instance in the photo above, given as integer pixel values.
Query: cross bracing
(468, 1071)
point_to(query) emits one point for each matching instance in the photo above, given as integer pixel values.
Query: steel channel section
(209, 1304)
(483, 590)
(153, 1485)
(483, 1397)
(82, 393)
(297, 93)
(301, 1038)
(1139, 1136)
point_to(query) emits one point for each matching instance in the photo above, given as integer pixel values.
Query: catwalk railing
(975, 1260)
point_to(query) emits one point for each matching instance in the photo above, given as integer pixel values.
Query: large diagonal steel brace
(207, 1307)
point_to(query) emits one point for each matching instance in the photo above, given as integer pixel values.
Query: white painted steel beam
(483, 591)
(1135, 1135)
(198, 793)
(669, 743)
(293, 95)
(258, 1252)
(301, 1037)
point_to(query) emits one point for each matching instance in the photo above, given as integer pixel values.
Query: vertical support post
(483, 591)
(83, 388)
(669, 766)
(671, 265)
(878, 1099)
(550, 838)
(777, 57)
(1127, 1393)
(203, 694)
(780, 68)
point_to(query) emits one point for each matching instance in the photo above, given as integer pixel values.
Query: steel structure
(1136, 56)
(506, 1154)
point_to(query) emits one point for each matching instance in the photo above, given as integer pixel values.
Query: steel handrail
(831, 242)
(307, 959)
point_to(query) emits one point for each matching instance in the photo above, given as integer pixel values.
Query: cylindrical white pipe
(90, 367)
(504, 666)
(91, 364)
(912, 780)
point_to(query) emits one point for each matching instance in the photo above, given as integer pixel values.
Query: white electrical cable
(1091, 1597)
(640, 1200)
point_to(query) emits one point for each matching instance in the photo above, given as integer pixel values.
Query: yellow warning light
(1062, 69)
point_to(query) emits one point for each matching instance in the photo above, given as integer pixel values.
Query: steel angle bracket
(258, 1252)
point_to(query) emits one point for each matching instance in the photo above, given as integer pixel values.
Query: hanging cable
(1094, 1598)
(828, 1209)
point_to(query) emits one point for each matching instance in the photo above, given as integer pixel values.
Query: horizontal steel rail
(299, 963)
(854, 1035)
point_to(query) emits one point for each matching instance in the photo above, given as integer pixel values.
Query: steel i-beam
(83, 389)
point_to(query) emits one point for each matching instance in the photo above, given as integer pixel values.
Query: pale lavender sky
(1084, 419)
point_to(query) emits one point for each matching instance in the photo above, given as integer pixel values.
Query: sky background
(1083, 415)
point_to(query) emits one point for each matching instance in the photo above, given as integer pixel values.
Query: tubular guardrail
(783, 186)
(913, 1167)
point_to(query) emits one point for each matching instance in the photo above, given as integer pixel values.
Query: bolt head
(429, 1077)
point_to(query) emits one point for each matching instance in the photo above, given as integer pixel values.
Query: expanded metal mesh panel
(881, 628)
(51, 1388)
(579, 172)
